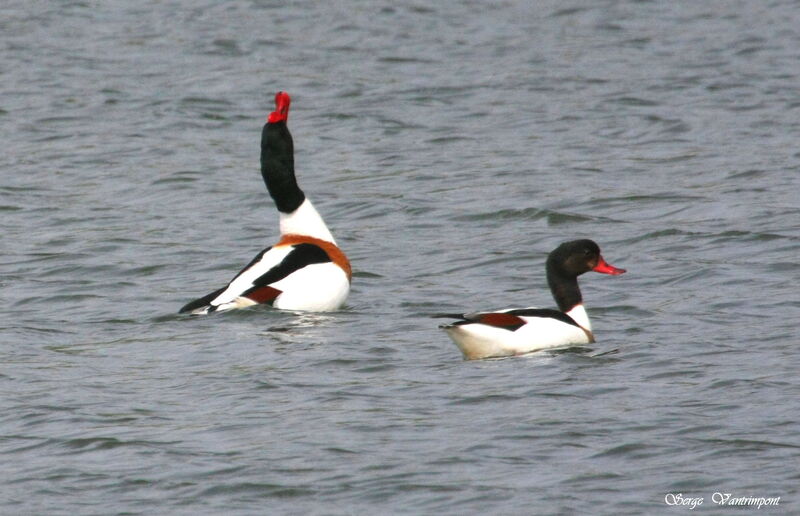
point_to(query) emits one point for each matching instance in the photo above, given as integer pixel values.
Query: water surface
(449, 146)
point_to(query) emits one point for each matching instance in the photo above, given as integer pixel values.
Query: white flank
(477, 340)
(245, 280)
(579, 315)
(305, 220)
(318, 287)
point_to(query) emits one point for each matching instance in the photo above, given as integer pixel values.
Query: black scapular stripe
(299, 257)
(252, 262)
(477, 317)
(544, 312)
(521, 312)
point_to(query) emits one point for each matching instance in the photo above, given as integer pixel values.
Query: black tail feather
(199, 303)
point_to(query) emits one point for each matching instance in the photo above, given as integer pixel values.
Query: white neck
(305, 220)
(579, 315)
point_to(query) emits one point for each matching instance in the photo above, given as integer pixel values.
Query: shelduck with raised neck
(516, 331)
(305, 270)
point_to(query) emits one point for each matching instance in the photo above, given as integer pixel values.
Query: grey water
(449, 146)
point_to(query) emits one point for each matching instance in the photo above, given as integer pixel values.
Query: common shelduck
(305, 270)
(516, 331)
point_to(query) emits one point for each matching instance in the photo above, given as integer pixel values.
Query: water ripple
(450, 147)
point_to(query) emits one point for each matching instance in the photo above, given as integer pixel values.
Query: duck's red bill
(281, 113)
(604, 267)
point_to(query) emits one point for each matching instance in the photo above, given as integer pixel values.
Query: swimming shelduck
(516, 331)
(305, 270)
